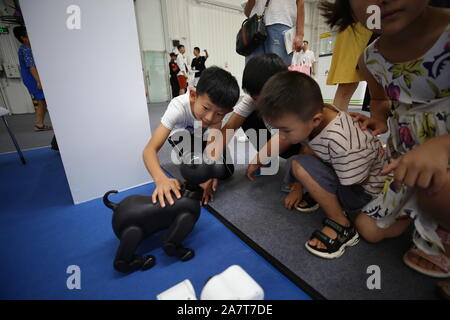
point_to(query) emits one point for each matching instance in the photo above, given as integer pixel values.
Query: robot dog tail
(113, 206)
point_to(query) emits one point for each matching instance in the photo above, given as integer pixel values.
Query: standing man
(174, 69)
(281, 16)
(30, 77)
(198, 64)
(308, 58)
(183, 73)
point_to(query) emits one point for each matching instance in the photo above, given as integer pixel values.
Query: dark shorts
(352, 197)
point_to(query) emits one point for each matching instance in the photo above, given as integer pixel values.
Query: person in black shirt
(198, 64)
(174, 69)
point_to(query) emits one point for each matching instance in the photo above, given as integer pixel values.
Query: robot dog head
(196, 169)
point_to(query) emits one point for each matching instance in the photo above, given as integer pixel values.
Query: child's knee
(299, 163)
(368, 229)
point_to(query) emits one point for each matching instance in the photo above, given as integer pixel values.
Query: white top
(302, 57)
(182, 64)
(179, 114)
(246, 106)
(356, 156)
(279, 11)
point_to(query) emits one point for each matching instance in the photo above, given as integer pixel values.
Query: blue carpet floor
(42, 233)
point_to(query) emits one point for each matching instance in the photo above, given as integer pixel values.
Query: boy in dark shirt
(174, 69)
(198, 64)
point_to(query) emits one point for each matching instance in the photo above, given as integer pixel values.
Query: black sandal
(347, 236)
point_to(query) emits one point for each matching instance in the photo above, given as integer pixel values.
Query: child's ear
(317, 119)
(192, 92)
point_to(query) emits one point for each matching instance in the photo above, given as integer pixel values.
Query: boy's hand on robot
(164, 189)
(209, 188)
(376, 126)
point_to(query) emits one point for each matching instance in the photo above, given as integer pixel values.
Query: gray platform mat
(256, 209)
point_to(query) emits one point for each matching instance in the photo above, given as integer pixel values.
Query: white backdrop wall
(92, 79)
(214, 27)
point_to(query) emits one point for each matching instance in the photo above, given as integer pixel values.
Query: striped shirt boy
(356, 156)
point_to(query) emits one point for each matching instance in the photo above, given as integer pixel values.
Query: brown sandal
(42, 128)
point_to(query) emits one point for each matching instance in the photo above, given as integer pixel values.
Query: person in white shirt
(216, 94)
(183, 74)
(305, 56)
(280, 16)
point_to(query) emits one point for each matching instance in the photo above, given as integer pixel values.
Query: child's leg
(344, 94)
(41, 110)
(328, 201)
(368, 229)
(437, 206)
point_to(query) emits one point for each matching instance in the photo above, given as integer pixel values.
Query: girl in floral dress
(408, 72)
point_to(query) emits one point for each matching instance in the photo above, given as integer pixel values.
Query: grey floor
(256, 208)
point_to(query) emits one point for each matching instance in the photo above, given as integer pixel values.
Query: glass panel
(156, 76)
(326, 43)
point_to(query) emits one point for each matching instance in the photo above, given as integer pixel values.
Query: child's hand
(209, 188)
(377, 126)
(293, 199)
(424, 167)
(164, 189)
(251, 170)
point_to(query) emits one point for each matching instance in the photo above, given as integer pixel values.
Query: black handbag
(252, 33)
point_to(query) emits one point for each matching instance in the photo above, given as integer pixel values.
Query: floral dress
(420, 94)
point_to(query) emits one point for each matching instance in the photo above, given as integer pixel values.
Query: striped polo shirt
(356, 156)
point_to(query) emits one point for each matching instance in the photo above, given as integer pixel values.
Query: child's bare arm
(264, 155)
(380, 104)
(164, 185)
(35, 75)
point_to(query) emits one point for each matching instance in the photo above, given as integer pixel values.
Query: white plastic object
(232, 284)
(181, 291)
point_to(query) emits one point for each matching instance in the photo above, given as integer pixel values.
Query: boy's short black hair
(307, 42)
(197, 48)
(220, 86)
(19, 32)
(290, 92)
(180, 46)
(258, 70)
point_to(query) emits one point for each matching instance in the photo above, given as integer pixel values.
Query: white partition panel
(87, 54)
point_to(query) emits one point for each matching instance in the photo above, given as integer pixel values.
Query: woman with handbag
(278, 16)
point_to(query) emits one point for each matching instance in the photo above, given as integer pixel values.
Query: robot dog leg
(177, 232)
(126, 260)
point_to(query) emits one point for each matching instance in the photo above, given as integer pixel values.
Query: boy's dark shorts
(352, 197)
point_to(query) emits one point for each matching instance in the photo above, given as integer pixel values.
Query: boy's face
(205, 111)
(395, 14)
(196, 53)
(294, 130)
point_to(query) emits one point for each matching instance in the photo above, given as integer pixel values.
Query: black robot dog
(135, 218)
